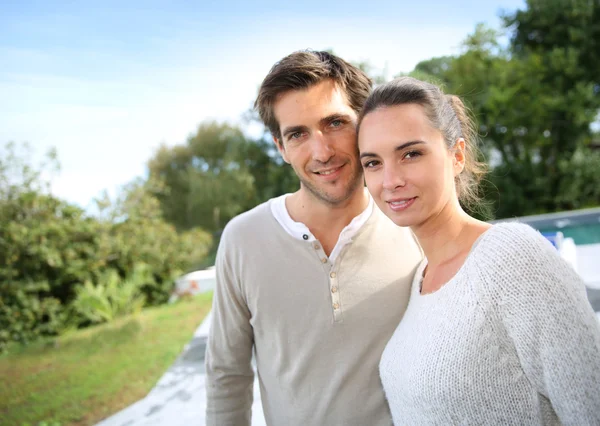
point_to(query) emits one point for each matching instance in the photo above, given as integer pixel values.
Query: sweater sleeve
(544, 307)
(229, 373)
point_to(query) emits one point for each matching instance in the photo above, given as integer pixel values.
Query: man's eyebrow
(323, 121)
(398, 148)
(335, 116)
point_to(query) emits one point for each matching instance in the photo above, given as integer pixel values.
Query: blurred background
(128, 141)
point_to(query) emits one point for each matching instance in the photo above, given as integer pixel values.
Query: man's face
(318, 139)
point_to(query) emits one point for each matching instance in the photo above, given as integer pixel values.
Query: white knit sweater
(510, 340)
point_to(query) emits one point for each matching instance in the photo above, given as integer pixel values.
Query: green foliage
(24, 316)
(581, 186)
(534, 105)
(378, 77)
(44, 239)
(87, 375)
(205, 184)
(94, 303)
(216, 175)
(136, 233)
(18, 175)
(272, 176)
(534, 99)
(546, 26)
(111, 296)
(50, 248)
(432, 70)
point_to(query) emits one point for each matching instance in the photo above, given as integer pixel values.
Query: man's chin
(335, 193)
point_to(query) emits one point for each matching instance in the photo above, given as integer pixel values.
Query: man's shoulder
(249, 223)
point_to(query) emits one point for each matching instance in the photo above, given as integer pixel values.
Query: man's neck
(325, 220)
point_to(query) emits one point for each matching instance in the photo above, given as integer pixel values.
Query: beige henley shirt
(317, 328)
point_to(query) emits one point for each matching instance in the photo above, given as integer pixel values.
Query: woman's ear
(458, 154)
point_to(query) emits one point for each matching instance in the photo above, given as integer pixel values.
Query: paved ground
(179, 398)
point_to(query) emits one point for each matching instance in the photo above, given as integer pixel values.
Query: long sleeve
(229, 373)
(544, 308)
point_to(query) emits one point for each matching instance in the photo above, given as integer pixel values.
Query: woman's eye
(370, 164)
(412, 154)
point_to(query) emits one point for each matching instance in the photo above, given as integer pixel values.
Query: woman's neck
(448, 234)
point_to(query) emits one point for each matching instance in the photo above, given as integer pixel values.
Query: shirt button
(334, 289)
(316, 246)
(332, 275)
(336, 306)
(324, 260)
(305, 237)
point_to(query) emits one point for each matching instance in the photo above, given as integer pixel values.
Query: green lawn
(90, 374)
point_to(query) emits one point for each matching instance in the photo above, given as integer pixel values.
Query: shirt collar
(301, 232)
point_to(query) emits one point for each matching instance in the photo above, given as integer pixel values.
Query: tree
(50, 248)
(534, 108)
(134, 232)
(204, 182)
(569, 25)
(18, 175)
(217, 174)
(272, 176)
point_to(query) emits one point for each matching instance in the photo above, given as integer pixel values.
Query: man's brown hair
(303, 69)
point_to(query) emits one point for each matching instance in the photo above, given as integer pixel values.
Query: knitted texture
(511, 339)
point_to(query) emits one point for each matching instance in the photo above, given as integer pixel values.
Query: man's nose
(322, 148)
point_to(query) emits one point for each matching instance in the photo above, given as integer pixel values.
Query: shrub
(111, 296)
(24, 316)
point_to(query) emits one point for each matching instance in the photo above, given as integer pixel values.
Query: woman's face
(408, 168)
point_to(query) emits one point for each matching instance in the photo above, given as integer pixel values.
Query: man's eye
(336, 123)
(296, 135)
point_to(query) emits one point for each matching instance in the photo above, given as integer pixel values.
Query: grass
(83, 377)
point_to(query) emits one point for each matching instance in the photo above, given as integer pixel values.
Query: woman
(498, 329)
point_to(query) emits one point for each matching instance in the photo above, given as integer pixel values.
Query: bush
(112, 296)
(24, 316)
(136, 233)
(50, 249)
(46, 240)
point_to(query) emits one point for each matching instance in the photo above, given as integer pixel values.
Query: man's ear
(281, 149)
(458, 154)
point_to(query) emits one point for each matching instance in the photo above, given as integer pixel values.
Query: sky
(107, 83)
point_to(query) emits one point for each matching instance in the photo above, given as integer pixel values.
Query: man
(315, 281)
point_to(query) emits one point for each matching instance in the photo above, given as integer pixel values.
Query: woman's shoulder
(513, 241)
(512, 255)
(514, 231)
